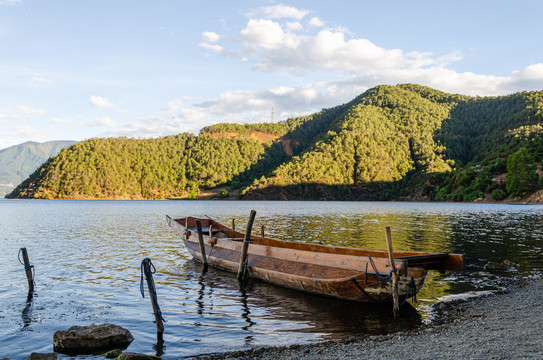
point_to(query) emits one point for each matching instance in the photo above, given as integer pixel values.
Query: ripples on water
(87, 256)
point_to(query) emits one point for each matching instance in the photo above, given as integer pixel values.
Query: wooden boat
(340, 272)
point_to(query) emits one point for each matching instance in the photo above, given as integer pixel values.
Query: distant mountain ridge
(19, 161)
(391, 142)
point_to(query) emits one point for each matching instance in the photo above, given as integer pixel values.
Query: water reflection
(265, 307)
(27, 311)
(246, 315)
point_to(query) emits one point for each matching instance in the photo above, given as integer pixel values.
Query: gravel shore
(508, 325)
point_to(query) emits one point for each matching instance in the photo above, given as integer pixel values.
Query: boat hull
(339, 273)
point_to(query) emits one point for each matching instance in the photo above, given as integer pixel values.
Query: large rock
(91, 339)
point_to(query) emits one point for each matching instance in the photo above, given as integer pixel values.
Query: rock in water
(38, 356)
(113, 354)
(91, 339)
(136, 356)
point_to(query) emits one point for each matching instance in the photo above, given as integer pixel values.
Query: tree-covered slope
(19, 161)
(125, 168)
(384, 134)
(389, 142)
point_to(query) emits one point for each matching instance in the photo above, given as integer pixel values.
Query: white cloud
(315, 21)
(209, 41)
(103, 121)
(10, 2)
(278, 12)
(212, 47)
(10, 116)
(99, 101)
(264, 34)
(210, 37)
(25, 132)
(20, 113)
(26, 110)
(39, 80)
(294, 26)
(60, 121)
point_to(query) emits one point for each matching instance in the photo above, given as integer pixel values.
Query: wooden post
(28, 270)
(201, 241)
(262, 231)
(154, 300)
(393, 272)
(233, 224)
(243, 258)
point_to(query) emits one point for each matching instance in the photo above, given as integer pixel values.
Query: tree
(521, 177)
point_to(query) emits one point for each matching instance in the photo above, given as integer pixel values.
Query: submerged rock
(136, 356)
(91, 339)
(497, 266)
(113, 354)
(38, 356)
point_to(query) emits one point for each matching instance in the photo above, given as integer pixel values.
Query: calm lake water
(87, 257)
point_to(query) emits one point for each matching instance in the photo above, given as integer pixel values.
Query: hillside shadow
(481, 128)
(376, 191)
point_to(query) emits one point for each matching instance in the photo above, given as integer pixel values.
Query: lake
(87, 257)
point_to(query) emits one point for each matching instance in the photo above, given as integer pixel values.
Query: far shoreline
(508, 202)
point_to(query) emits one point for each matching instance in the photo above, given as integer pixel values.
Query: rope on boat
(411, 286)
(152, 289)
(27, 267)
(364, 291)
(377, 273)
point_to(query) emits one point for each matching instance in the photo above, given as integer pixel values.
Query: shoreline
(201, 199)
(502, 325)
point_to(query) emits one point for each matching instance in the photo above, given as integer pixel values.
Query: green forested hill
(19, 161)
(389, 142)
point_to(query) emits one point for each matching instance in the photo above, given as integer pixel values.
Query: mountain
(19, 161)
(391, 142)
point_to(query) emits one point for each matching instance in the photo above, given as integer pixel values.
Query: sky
(74, 70)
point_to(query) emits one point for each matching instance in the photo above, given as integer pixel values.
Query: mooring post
(243, 258)
(262, 231)
(233, 224)
(393, 273)
(146, 265)
(201, 241)
(28, 269)
(187, 231)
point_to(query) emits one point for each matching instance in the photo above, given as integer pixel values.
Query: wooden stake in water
(233, 224)
(393, 272)
(262, 231)
(146, 264)
(243, 259)
(201, 241)
(187, 231)
(28, 269)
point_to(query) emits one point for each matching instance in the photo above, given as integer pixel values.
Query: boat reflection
(27, 312)
(262, 306)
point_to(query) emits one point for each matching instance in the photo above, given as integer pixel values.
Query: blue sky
(74, 70)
